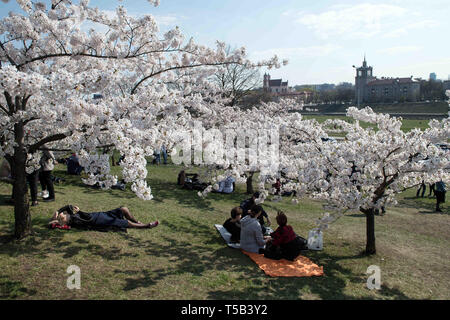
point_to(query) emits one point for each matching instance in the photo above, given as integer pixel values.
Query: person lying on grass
(121, 218)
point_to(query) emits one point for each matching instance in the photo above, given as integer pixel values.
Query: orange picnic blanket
(300, 267)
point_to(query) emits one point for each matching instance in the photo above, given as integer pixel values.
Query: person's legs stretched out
(133, 222)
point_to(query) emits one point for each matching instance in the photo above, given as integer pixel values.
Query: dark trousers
(157, 159)
(440, 198)
(422, 188)
(32, 179)
(45, 177)
(432, 191)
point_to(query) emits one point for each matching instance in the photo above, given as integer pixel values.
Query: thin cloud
(416, 25)
(292, 53)
(361, 21)
(399, 50)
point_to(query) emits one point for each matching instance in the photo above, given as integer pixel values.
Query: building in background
(369, 88)
(279, 89)
(276, 86)
(433, 76)
(446, 85)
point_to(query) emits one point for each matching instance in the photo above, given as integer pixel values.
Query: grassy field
(185, 258)
(440, 107)
(408, 124)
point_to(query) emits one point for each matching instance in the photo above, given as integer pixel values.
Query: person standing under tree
(45, 175)
(422, 188)
(440, 194)
(164, 153)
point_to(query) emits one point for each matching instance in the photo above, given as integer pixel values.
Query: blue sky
(322, 39)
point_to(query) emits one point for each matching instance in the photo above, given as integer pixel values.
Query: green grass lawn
(408, 124)
(185, 257)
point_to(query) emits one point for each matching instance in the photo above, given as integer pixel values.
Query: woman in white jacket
(45, 175)
(252, 239)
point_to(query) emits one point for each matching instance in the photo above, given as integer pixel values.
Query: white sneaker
(45, 194)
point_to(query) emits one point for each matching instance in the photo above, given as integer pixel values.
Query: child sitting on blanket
(233, 225)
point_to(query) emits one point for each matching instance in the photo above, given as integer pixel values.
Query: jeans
(47, 183)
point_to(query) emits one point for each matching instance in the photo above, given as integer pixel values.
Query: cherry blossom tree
(370, 166)
(364, 171)
(54, 58)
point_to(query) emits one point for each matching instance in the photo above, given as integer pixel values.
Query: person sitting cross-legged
(233, 225)
(227, 185)
(252, 238)
(119, 218)
(248, 204)
(284, 242)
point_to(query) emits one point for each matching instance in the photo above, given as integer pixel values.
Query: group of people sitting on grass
(191, 181)
(246, 226)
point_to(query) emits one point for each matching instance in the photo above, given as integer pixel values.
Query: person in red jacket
(285, 243)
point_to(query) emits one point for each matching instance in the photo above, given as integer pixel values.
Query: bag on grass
(315, 240)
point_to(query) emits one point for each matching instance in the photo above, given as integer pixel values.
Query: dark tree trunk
(250, 183)
(370, 231)
(20, 188)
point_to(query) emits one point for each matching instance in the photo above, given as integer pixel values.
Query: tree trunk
(370, 232)
(21, 208)
(250, 183)
(20, 188)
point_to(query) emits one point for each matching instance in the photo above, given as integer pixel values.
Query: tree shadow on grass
(434, 212)
(44, 241)
(75, 180)
(11, 289)
(5, 200)
(330, 286)
(413, 202)
(163, 190)
(199, 259)
(356, 215)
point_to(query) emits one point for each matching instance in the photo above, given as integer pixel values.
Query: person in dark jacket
(119, 218)
(284, 244)
(73, 165)
(439, 191)
(248, 204)
(32, 180)
(233, 225)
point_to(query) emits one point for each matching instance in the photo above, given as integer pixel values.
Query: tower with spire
(364, 75)
(266, 84)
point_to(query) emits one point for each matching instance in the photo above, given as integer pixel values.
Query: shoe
(34, 203)
(49, 199)
(438, 210)
(45, 194)
(153, 224)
